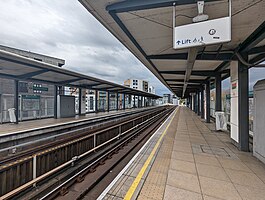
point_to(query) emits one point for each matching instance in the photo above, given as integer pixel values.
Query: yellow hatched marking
(137, 180)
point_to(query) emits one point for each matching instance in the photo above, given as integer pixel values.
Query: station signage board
(30, 102)
(204, 33)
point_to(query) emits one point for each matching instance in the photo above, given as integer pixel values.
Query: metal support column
(96, 101)
(195, 103)
(108, 101)
(117, 101)
(55, 102)
(243, 106)
(134, 101)
(202, 102)
(79, 101)
(16, 101)
(207, 92)
(138, 99)
(124, 99)
(144, 102)
(198, 103)
(192, 100)
(218, 92)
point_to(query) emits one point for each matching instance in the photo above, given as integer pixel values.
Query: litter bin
(220, 121)
(12, 115)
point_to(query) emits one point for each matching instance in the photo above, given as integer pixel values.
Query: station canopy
(145, 27)
(16, 67)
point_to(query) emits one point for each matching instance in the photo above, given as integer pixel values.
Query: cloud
(66, 30)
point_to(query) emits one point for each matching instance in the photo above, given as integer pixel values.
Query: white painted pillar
(234, 101)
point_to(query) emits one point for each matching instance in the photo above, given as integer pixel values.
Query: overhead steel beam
(260, 65)
(69, 81)
(31, 74)
(224, 65)
(255, 38)
(93, 85)
(258, 59)
(173, 72)
(226, 76)
(190, 81)
(182, 84)
(115, 89)
(135, 5)
(256, 50)
(190, 63)
(105, 88)
(133, 40)
(184, 56)
(194, 72)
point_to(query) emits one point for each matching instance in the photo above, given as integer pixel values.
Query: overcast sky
(65, 29)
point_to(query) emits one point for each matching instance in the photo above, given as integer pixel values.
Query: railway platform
(40, 124)
(186, 159)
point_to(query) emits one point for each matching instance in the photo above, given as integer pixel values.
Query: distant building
(175, 100)
(159, 101)
(137, 84)
(151, 89)
(35, 99)
(166, 98)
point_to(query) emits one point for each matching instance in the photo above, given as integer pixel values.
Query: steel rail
(54, 145)
(75, 158)
(149, 122)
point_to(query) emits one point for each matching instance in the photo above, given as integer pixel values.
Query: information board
(202, 33)
(30, 102)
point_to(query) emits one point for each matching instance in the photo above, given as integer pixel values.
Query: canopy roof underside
(145, 28)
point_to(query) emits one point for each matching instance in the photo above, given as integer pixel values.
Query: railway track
(68, 136)
(13, 143)
(37, 169)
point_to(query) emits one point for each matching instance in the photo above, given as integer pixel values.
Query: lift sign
(203, 33)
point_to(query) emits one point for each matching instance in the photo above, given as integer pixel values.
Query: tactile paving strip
(155, 183)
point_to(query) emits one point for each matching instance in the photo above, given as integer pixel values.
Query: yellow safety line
(137, 180)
